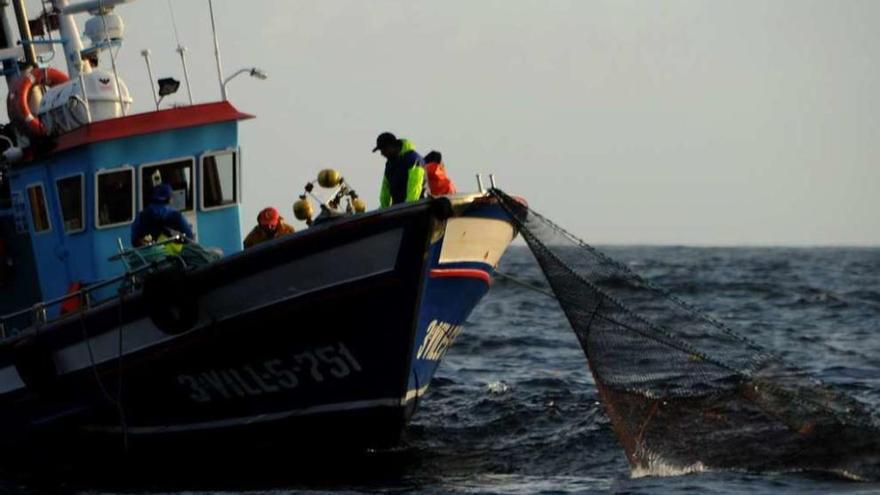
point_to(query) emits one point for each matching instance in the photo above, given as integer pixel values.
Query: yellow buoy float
(302, 209)
(329, 178)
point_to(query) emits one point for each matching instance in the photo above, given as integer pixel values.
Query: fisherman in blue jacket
(404, 178)
(159, 218)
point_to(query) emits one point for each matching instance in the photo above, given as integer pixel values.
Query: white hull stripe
(262, 418)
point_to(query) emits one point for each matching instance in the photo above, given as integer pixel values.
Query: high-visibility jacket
(438, 182)
(404, 178)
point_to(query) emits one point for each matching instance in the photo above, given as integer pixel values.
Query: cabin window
(39, 209)
(178, 174)
(219, 180)
(70, 197)
(115, 197)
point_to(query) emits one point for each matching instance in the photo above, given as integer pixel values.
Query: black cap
(384, 139)
(434, 157)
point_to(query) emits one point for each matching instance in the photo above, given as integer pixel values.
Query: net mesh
(684, 391)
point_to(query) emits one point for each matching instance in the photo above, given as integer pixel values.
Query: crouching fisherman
(159, 219)
(269, 226)
(438, 181)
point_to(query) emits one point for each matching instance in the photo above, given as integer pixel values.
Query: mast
(24, 29)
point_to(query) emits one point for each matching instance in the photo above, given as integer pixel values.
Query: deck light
(167, 86)
(259, 74)
(252, 71)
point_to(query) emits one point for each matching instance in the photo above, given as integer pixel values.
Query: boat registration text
(317, 366)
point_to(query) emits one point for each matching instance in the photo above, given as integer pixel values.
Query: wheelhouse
(72, 186)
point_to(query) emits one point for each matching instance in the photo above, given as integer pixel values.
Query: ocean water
(514, 409)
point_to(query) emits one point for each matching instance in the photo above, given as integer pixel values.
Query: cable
(525, 284)
(106, 393)
(174, 23)
(122, 422)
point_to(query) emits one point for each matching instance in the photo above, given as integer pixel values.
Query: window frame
(98, 175)
(236, 170)
(82, 204)
(30, 208)
(140, 178)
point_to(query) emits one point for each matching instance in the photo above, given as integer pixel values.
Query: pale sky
(674, 122)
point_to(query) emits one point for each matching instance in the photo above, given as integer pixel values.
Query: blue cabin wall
(83, 256)
(19, 288)
(59, 257)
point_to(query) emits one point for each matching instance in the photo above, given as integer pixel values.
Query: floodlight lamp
(168, 86)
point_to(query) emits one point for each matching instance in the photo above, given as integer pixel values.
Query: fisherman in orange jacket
(269, 226)
(439, 183)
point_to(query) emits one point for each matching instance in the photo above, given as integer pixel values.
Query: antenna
(146, 54)
(217, 52)
(182, 51)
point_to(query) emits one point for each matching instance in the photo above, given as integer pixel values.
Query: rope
(123, 424)
(117, 401)
(94, 365)
(525, 284)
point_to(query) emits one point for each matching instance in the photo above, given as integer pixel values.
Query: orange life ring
(19, 109)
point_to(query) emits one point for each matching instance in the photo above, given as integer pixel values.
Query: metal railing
(39, 312)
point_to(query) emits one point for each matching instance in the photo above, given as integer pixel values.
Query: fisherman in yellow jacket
(404, 177)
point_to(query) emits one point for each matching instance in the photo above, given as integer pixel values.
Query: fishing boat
(329, 336)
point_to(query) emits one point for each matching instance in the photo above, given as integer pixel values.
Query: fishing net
(683, 391)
